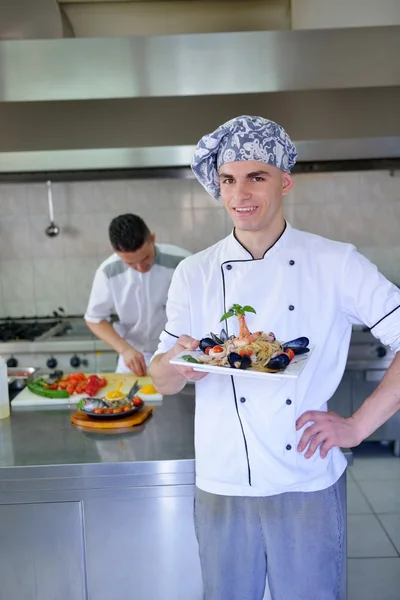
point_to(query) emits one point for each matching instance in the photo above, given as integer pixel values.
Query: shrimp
(245, 337)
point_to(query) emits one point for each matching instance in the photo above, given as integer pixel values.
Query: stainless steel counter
(94, 516)
(46, 437)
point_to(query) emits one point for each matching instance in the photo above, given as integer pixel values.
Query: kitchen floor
(373, 508)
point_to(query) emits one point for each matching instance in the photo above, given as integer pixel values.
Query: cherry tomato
(218, 349)
(127, 407)
(137, 401)
(71, 389)
(109, 410)
(99, 411)
(244, 352)
(207, 350)
(51, 386)
(117, 410)
(290, 353)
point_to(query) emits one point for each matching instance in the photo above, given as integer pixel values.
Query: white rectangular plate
(291, 372)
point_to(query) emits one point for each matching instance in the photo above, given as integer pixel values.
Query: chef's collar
(239, 252)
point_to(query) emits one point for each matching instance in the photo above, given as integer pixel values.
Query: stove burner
(27, 331)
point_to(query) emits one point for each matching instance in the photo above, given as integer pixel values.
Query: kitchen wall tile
(17, 282)
(101, 223)
(112, 196)
(89, 197)
(41, 245)
(79, 274)
(380, 186)
(80, 235)
(13, 199)
(379, 223)
(325, 188)
(361, 208)
(172, 226)
(386, 258)
(17, 308)
(151, 194)
(14, 237)
(50, 285)
(209, 227)
(201, 198)
(37, 200)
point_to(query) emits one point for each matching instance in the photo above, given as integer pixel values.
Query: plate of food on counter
(114, 405)
(257, 354)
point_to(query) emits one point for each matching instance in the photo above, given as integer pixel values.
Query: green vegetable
(190, 359)
(36, 387)
(237, 310)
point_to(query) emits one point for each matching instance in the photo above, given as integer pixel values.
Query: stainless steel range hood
(134, 102)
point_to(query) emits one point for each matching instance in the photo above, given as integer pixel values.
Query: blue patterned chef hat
(242, 138)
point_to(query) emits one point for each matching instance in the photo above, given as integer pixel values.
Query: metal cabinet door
(341, 401)
(41, 552)
(364, 383)
(142, 549)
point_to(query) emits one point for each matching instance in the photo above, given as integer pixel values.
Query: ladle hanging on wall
(52, 230)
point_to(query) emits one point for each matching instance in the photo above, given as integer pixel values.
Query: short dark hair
(128, 233)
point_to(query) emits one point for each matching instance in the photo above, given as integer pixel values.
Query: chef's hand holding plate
(134, 360)
(185, 342)
(326, 430)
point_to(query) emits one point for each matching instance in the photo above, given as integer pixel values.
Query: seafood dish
(114, 405)
(256, 351)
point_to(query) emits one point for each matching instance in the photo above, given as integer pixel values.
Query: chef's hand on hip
(185, 342)
(134, 360)
(326, 430)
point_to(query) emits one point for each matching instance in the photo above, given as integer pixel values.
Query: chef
(269, 469)
(133, 282)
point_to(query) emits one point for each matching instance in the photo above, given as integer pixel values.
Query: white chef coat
(305, 285)
(139, 299)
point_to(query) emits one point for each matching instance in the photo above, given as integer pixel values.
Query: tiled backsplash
(40, 274)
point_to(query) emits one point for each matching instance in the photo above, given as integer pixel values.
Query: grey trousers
(298, 538)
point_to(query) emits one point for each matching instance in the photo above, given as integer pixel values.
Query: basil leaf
(248, 308)
(190, 359)
(227, 315)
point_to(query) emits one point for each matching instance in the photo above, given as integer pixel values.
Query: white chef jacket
(305, 285)
(139, 299)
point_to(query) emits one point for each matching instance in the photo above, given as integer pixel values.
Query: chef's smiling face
(253, 192)
(142, 259)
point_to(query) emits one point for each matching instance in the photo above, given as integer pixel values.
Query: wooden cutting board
(27, 398)
(81, 420)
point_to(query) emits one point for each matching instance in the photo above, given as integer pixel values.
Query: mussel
(207, 343)
(279, 362)
(239, 362)
(299, 345)
(221, 339)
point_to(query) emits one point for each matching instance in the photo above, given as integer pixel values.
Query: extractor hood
(145, 101)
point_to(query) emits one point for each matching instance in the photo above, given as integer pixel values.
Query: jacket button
(291, 307)
(228, 267)
(288, 447)
(242, 399)
(291, 263)
(288, 401)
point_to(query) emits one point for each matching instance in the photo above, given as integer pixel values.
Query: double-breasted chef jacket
(305, 285)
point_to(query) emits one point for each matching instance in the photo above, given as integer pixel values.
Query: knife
(133, 391)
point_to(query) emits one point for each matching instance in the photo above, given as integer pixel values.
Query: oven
(54, 343)
(367, 363)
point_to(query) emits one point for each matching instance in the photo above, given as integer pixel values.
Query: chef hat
(242, 138)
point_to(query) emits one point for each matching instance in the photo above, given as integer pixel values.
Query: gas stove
(63, 343)
(13, 330)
